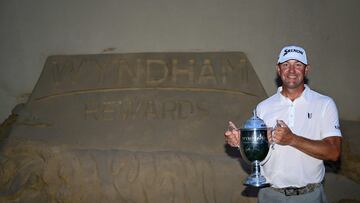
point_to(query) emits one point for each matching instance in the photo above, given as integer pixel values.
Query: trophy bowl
(254, 147)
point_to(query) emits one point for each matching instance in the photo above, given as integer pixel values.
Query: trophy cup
(254, 147)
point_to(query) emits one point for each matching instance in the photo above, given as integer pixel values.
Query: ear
(278, 69)
(307, 69)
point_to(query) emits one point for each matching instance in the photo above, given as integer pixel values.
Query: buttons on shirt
(291, 118)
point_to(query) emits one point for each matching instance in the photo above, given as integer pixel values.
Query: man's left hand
(282, 134)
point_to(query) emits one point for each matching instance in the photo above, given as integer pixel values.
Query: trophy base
(256, 181)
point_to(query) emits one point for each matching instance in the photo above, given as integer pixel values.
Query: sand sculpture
(141, 127)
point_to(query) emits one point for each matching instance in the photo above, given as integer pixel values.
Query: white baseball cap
(292, 52)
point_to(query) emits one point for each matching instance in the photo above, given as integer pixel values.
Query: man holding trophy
(304, 131)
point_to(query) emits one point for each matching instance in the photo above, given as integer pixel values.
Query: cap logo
(286, 51)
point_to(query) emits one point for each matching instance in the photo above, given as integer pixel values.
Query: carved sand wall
(141, 127)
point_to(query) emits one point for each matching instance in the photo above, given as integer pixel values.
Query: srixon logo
(286, 51)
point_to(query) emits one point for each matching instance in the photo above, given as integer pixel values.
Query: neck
(292, 93)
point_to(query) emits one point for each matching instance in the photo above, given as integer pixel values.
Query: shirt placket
(291, 116)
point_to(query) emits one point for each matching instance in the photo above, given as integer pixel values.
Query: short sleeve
(330, 125)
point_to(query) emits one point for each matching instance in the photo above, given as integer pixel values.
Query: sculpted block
(144, 127)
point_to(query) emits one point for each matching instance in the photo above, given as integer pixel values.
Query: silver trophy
(254, 147)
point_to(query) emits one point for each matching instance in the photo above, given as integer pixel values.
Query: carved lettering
(128, 74)
(207, 75)
(108, 110)
(101, 68)
(65, 71)
(122, 72)
(187, 71)
(185, 109)
(226, 71)
(169, 110)
(156, 71)
(149, 109)
(91, 110)
(128, 108)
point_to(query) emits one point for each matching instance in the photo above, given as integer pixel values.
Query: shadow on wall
(350, 158)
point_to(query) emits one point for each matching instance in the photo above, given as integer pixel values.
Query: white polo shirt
(313, 116)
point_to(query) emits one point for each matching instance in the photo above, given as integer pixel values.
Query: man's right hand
(232, 135)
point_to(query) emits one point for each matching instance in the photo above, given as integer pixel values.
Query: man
(307, 132)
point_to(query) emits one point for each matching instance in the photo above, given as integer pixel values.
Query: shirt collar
(305, 95)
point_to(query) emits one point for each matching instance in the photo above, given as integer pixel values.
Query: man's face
(292, 73)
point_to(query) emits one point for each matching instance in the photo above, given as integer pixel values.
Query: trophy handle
(263, 162)
(271, 148)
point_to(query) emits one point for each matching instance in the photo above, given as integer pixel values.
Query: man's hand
(282, 134)
(232, 135)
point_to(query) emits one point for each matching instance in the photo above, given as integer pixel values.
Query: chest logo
(309, 115)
